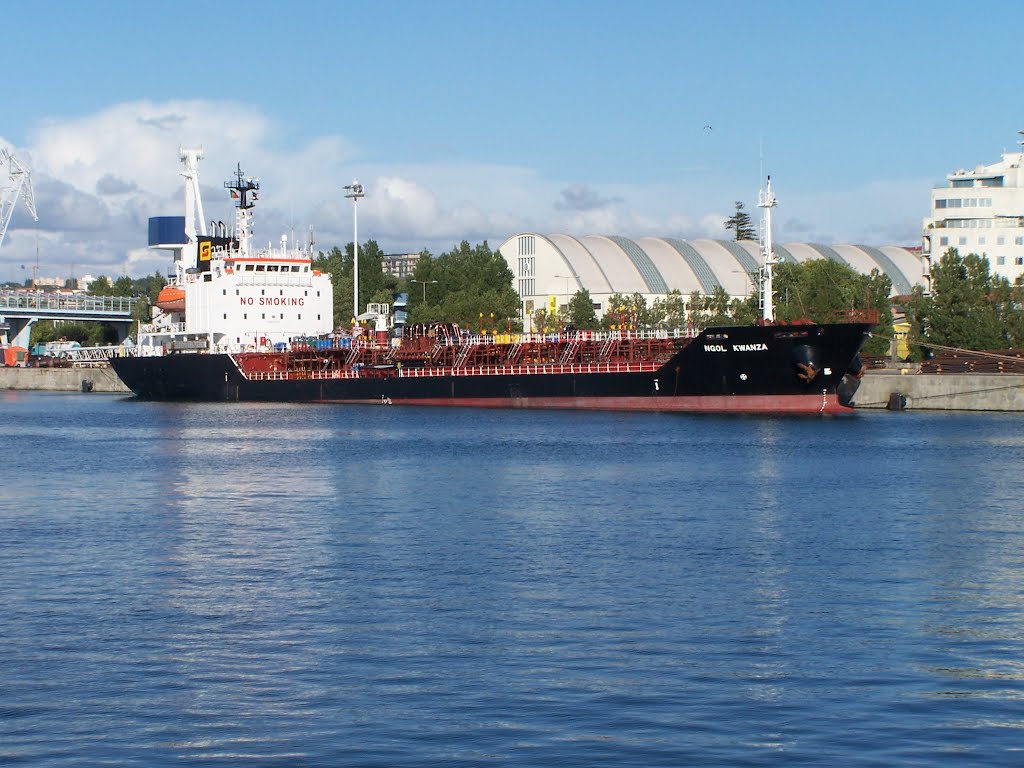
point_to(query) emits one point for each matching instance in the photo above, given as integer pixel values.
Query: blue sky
(478, 120)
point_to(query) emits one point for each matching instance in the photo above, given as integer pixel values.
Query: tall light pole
(567, 278)
(424, 283)
(355, 192)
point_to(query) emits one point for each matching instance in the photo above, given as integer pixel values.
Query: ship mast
(243, 190)
(766, 201)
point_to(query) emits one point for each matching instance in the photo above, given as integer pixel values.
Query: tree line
(968, 307)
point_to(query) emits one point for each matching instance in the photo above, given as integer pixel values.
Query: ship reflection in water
(315, 585)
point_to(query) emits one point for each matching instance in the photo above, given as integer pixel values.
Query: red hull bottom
(765, 404)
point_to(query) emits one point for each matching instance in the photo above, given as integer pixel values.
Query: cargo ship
(237, 324)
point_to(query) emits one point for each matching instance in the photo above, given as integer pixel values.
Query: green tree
(669, 312)
(375, 286)
(101, 286)
(969, 307)
(823, 291)
(740, 224)
(123, 286)
(581, 312)
(473, 288)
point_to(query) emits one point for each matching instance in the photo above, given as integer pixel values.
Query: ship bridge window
(295, 267)
(261, 267)
(272, 267)
(250, 267)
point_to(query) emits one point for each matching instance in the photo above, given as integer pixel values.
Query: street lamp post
(355, 192)
(424, 283)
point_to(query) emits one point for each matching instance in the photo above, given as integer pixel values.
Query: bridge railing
(61, 302)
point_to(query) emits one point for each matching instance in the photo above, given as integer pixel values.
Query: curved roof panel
(828, 253)
(582, 263)
(908, 262)
(743, 256)
(677, 271)
(799, 252)
(622, 274)
(900, 283)
(731, 272)
(642, 262)
(858, 258)
(708, 280)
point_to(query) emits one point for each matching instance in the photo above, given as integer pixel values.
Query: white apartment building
(982, 212)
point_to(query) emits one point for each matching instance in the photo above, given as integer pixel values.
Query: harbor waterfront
(227, 584)
(963, 392)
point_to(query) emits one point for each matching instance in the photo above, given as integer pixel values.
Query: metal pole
(355, 192)
(355, 256)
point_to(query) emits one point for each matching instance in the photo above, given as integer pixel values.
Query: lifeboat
(171, 299)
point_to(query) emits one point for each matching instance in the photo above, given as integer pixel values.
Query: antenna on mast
(766, 201)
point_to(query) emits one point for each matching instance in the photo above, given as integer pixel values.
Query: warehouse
(549, 269)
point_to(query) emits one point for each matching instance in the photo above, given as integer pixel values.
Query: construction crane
(20, 183)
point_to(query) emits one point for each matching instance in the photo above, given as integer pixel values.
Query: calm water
(374, 586)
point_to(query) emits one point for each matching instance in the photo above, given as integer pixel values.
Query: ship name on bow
(757, 347)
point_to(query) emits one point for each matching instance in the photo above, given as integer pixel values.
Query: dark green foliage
(581, 312)
(823, 290)
(969, 308)
(740, 224)
(670, 312)
(375, 286)
(473, 289)
(86, 334)
(629, 312)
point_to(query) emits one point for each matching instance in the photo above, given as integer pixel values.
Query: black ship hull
(751, 369)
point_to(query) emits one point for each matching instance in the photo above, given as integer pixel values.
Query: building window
(527, 266)
(943, 241)
(1019, 261)
(527, 287)
(1000, 240)
(963, 241)
(962, 183)
(982, 240)
(527, 245)
(1000, 260)
(995, 181)
(1018, 240)
(940, 204)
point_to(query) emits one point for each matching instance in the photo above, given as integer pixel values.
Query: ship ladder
(515, 353)
(464, 354)
(607, 348)
(571, 350)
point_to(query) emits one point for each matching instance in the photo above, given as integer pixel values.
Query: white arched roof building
(549, 269)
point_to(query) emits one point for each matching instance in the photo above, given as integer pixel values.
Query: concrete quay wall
(942, 392)
(102, 379)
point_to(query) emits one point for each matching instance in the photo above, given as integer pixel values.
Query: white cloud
(98, 179)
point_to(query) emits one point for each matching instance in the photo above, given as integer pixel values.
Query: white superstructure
(981, 211)
(226, 295)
